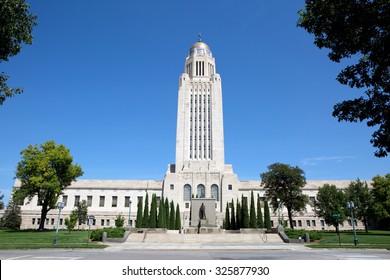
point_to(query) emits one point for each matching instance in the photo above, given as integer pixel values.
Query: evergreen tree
(227, 218)
(244, 212)
(139, 221)
(145, 218)
(166, 210)
(267, 216)
(12, 218)
(172, 216)
(238, 216)
(260, 221)
(178, 220)
(233, 225)
(252, 213)
(153, 212)
(161, 215)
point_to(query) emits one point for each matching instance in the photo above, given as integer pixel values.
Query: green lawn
(373, 239)
(31, 239)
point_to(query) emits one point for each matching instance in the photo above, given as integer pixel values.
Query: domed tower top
(200, 48)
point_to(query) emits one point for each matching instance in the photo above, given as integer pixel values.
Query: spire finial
(199, 37)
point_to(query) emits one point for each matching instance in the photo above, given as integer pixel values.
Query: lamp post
(278, 200)
(129, 220)
(351, 207)
(60, 206)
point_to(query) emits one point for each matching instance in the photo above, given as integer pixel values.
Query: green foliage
(16, 26)
(361, 196)
(12, 218)
(81, 212)
(233, 223)
(71, 222)
(153, 212)
(260, 221)
(177, 219)
(97, 234)
(381, 195)
(119, 221)
(45, 172)
(138, 223)
(145, 218)
(172, 216)
(244, 212)
(286, 183)
(252, 213)
(267, 216)
(330, 201)
(1, 201)
(161, 215)
(238, 215)
(166, 210)
(227, 218)
(296, 233)
(358, 29)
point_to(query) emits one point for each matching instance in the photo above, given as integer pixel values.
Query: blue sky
(101, 77)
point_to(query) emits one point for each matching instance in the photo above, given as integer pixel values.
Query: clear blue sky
(101, 77)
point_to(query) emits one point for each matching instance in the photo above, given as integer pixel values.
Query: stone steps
(202, 238)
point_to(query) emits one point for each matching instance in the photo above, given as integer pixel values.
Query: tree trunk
(290, 217)
(43, 217)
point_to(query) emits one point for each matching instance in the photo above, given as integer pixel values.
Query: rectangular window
(299, 223)
(127, 201)
(308, 223)
(172, 186)
(101, 201)
(187, 205)
(322, 223)
(108, 222)
(76, 200)
(39, 221)
(313, 223)
(52, 221)
(114, 201)
(89, 200)
(230, 187)
(294, 223)
(61, 220)
(33, 221)
(65, 200)
(102, 222)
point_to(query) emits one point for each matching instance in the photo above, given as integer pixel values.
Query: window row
(200, 192)
(102, 201)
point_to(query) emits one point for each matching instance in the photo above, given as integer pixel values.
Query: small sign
(337, 216)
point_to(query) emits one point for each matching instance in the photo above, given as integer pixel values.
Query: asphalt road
(200, 254)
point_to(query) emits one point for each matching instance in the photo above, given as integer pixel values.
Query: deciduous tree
(45, 172)
(16, 27)
(357, 29)
(286, 183)
(330, 204)
(360, 194)
(381, 195)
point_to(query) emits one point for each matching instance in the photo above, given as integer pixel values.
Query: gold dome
(200, 45)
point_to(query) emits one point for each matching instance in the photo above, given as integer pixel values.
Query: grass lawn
(374, 239)
(32, 239)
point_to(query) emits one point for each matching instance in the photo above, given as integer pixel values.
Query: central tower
(199, 135)
(200, 171)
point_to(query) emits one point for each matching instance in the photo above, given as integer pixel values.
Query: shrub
(97, 234)
(296, 233)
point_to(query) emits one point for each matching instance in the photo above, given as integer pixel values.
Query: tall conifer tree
(260, 221)
(177, 219)
(145, 218)
(252, 213)
(139, 221)
(233, 225)
(267, 216)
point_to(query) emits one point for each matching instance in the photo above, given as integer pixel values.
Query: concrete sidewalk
(203, 242)
(134, 246)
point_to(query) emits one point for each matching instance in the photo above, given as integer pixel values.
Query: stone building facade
(199, 172)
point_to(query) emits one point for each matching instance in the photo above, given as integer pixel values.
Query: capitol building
(199, 172)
